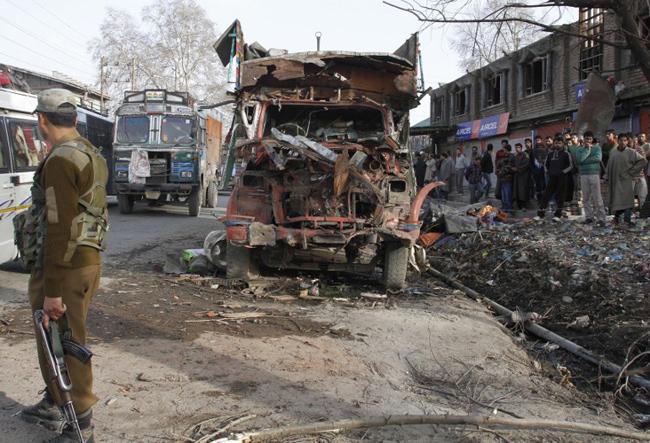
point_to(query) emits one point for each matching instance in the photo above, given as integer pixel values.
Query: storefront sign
(580, 92)
(483, 128)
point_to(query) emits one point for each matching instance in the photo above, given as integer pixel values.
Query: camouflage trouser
(80, 286)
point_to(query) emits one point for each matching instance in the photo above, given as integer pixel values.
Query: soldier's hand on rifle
(53, 308)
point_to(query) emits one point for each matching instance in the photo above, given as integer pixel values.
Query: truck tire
(240, 263)
(125, 203)
(194, 201)
(211, 195)
(395, 265)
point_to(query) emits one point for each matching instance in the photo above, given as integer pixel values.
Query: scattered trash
(214, 248)
(142, 377)
(373, 296)
(577, 275)
(550, 347)
(456, 224)
(580, 322)
(427, 240)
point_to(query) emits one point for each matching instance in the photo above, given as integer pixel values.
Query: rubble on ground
(590, 284)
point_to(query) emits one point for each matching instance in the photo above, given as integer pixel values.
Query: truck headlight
(186, 174)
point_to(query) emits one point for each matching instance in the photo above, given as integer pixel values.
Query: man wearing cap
(70, 215)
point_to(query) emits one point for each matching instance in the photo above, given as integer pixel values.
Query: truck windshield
(133, 129)
(176, 129)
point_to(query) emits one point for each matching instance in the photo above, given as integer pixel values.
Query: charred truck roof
(328, 182)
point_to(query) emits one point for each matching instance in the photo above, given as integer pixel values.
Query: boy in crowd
(559, 165)
(521, 182)
(505, 174)
(588, 159)
(474, 176)
(487, 167)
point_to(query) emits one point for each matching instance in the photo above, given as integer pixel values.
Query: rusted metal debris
(328, 183)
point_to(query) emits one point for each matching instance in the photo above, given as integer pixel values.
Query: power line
(39, 39)
(25, 11)
(27, 63)
(45, 56)
(61, 20)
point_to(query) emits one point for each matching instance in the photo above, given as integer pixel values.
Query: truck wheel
(194, 201)
(125, 203)
(240, 263)
(395, 265)
(212, 195)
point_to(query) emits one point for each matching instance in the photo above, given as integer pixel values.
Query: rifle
(54, 348)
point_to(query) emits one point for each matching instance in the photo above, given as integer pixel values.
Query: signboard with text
(580, 92)
(483, 128)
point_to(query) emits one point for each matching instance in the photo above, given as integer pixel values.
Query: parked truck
(328, 182)
(164, 151)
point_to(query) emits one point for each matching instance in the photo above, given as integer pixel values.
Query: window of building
(438, 109)
(536, 76)
(461, 101)
(591, 51)
(492, 89)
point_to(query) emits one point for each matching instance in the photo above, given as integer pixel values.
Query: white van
(21, 150)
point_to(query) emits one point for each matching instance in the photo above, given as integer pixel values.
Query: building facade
(34, 82)
(537, 90)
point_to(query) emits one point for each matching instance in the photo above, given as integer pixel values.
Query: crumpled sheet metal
(596, 110)
(457, 224)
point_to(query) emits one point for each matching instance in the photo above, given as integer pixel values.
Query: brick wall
(559, 100)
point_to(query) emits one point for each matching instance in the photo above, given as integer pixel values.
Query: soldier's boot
(44, 413)
(69, 435)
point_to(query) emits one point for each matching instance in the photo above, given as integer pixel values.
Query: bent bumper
(141, 188)
(247, 232)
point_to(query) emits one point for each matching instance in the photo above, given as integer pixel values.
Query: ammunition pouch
(90, 226)
(29, 230)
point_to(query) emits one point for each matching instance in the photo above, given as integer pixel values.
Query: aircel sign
(485, 127)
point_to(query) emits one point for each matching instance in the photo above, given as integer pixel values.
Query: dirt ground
(172, 352)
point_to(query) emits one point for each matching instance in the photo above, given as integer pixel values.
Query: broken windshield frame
(326, 123)
(133, 129)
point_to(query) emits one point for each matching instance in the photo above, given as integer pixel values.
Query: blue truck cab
(160, 151)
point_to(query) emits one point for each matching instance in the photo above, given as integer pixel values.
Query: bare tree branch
(543, 26)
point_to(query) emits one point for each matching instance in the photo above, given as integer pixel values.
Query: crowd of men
(557, 170)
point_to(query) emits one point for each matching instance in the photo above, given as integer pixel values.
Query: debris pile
(590, 285)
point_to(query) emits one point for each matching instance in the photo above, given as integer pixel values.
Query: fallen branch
(209, 437)
(449, 420)
(544, 333)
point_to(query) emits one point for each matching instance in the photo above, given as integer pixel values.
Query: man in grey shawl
(445, 175)
(623, 167)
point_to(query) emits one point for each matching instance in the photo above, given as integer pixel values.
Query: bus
(22, 149)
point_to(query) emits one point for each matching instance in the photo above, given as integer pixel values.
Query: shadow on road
(13, 429)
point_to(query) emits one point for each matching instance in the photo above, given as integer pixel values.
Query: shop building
(537, 90)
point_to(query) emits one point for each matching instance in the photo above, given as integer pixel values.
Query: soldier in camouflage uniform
(60, 238)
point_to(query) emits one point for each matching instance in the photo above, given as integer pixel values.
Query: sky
(53, 35)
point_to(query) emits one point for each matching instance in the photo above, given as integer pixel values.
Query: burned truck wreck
(328, 182)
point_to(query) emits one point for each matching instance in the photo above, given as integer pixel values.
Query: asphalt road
(146, 236)
(150, 225)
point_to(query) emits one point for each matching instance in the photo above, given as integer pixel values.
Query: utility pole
(102, 65)
(133, 74)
